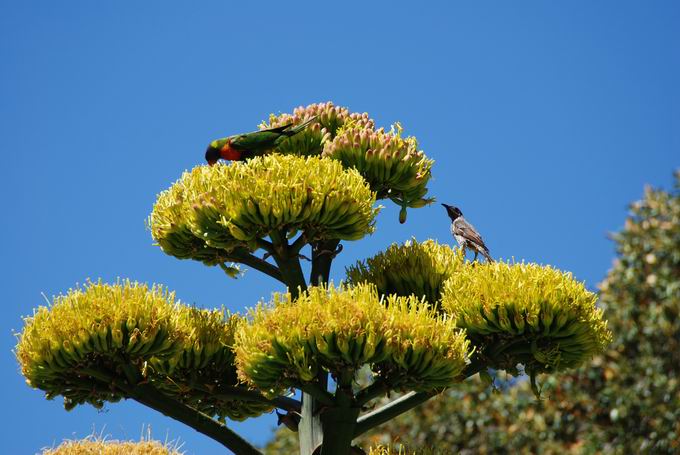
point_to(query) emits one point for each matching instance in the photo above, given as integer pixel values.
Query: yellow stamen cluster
(340, 329)
(413, 268)
(82, 344)
(103, 446)
(93, 330)
(525, 313)
(212, 211)
(204, 365)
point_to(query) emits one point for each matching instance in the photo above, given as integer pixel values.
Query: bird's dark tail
(293, 130)
(488, 257)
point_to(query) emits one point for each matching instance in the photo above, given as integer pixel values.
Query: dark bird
(291, 419)
(465, 234)
(243, 146)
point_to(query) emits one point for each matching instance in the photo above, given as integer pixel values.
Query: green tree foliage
(624, 401)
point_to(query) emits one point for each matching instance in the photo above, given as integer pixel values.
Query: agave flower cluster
(78, 346)
(413, 268)
(212, 211)
(534, 315)
(392, 165)
(514, 314)
(341, 329)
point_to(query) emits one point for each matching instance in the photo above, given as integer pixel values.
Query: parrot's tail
(297, 128)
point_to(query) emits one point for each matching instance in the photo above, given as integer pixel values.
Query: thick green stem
(406, 402)
(291, 270)
(339, 425)
(258, 264)
(323, 253)
(147, 395)
(390, 411)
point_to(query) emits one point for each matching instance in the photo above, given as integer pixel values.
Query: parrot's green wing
(263, 140)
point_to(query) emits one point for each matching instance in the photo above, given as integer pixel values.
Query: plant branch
(147, 395)
(288, 263)
(258, 264)
(378, 388)
(299, 243)
(321, 395)
(390, 411)
(241, 393)
(404, 403)
(265, 245)
(323, 253)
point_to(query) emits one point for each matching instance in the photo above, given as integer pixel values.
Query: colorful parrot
(243, 146)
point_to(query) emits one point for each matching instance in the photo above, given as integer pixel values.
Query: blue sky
(545, 120)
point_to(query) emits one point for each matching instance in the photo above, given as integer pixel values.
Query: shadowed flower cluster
(205, 365)
(413, 268)
(392, 165)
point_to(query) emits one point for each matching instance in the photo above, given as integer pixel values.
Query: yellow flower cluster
(211, 211)
(77, 347)
(103, 446)
(525, 313)
(391, 164)
(413, 268)
(205, 362)
(406, 343)
(91, 329)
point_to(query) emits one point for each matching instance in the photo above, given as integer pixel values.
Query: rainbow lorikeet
(243, 146)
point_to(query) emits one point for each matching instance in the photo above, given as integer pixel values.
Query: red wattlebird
(465, 234)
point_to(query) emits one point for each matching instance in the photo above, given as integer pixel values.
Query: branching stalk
(258, 264)
(147, 395)
(390, 411)
(241, 393)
